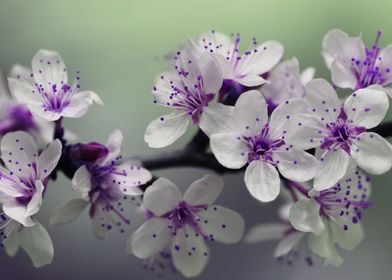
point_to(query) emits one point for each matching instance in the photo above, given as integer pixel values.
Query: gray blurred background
(118, 47)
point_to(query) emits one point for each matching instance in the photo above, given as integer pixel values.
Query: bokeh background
(119, 47)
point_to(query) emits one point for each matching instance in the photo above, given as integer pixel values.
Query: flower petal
(287, 244)
(49, 69)
(342, 74)
(222, 224)
(250, 80)
(307, 75)
(210, 72)
(24, 92)
(68, 212)
(18, 213)
(229, 150)
(262, 181)
(251, 112)
(305, 216)
(372, 153)
(332, 167)
(36, 200)
(19, 153)
(261, 59)
(48, 159)
(161, 197)
(323, 246)
(37, 244)
(347, 239)
(217, 119)
(280, 117)
(204, 191)
(81, 181)
(129, 176)
(265, 232)
(367, 107)
(79, 104)
(190, 253)
(296, 165)
(150, 238)
(165, 130)
(323, 100)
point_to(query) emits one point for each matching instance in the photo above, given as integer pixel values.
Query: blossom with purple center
(333, 216)
(183, 224)
(339, 131)
(22, 183)
(105, 182)
(188, 90)
(14, 117)
(47, 92)
(355, 66)
(247, 136)
(246, 69)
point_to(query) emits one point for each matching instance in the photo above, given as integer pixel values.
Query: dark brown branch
(384, 129)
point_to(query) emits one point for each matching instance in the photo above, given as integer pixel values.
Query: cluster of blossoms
(290, 133)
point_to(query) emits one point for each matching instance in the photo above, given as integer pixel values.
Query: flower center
(368, 71)
(261, 146)
(345, 202)
(341, 133)
(184, 214)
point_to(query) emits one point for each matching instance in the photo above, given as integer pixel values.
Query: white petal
(150, 238)
(323, 99)
(250, 80)
(36, 200)
(296, 165)
(204, 191)
(165, 130)
(229, 150)
(280, 117)
(129, 176)
(323, 246)
(114, 146)
(19, 71)
(347, 239)
(49, 158)
(79, 104)
(211, 73)
(49, 68)
(261, 59)
(367, 107)
(262, 181)
(342, 74)
(81, 181)
(305, 216)
(19, 153)
(24, 92)
(336, 42)
(265, 232)
(222, 224)
(68, 212)
(161, 197)
(307, 75)
(18, 213)
(251, 112)
(332, 167)
(305, 131)
(37, 244)
(372, 153)
(287, 244)
(190, 253)
(217, 119)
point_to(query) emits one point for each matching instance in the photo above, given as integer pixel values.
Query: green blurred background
(119, 47)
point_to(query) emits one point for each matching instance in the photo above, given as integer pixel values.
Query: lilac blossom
(355, 66)
(184, 223)
(47, 92)
(22, 183)
(248, 136)
(246, 69)
(339, 132)
(332, 217)
(104, 184)
(187, 90)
